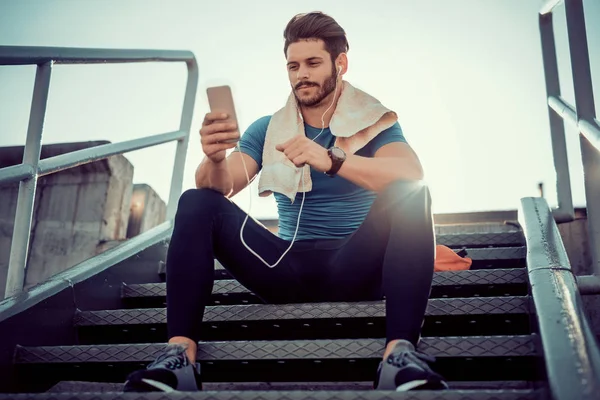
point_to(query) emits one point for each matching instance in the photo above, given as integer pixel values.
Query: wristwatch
(338, 156)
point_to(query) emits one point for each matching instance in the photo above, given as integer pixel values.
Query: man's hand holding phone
(220, 129)
(218, 134)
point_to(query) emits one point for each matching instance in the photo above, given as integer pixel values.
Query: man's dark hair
(316, 25)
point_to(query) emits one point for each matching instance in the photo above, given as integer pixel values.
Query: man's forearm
(378, 172)
(214, 176)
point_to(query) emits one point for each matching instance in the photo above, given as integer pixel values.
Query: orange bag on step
(447, 260)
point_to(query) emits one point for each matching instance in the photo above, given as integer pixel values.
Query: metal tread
(295, 395)
(497, 253)
(510, 238)
(451, 278)
(261, 312)
(103, 387)
(321, 349)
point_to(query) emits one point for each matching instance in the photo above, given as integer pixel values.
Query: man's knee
(197, 201)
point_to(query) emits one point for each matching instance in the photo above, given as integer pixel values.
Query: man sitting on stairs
(355, 220)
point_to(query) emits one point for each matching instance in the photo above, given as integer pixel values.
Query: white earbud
(339, 69)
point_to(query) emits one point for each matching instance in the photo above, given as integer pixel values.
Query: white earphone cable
(301, 178)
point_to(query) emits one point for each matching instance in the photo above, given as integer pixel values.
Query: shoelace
(170, 360)
(404, 357)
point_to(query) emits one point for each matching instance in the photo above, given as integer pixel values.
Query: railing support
(31, 157)
(184, 125)
(588, 284)
(584, 103)
(565, 211)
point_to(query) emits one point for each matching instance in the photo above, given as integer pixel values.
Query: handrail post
(31, 156)
(557, 126)
(584, 104)
(185, 124)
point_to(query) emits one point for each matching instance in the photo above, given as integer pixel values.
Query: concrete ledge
(147, 210)
(75, 211)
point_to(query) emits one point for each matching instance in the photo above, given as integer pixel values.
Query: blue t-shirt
(335, 207)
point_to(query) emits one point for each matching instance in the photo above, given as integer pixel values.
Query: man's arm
(227, 176)
(393, 161)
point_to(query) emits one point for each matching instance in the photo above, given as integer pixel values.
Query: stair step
(301, 395)
(278, 312)
(103, 387)
(366, 385)
(490, 282)
(489, 239)
(470, 358)
(443, 317)
(460, 346)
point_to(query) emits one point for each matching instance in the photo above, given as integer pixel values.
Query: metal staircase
(478, 325)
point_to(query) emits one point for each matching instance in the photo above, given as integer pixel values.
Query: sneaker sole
(159, 385)
(441, 385)
(411, 385)
(145, 385)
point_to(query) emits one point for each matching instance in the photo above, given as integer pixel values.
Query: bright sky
(464, 76)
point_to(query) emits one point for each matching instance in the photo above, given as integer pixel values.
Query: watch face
(337, 152)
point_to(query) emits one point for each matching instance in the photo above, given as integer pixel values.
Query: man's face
(310, 70)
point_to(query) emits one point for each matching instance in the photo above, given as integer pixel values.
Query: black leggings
(391, 254)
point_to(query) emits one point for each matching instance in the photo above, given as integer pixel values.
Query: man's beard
(322, 92)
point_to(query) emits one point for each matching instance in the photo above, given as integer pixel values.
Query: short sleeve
(390, 135)
(253, 139)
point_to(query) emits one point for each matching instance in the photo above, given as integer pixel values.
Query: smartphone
(220, 98)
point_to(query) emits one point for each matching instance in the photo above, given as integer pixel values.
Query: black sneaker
(170, 371)
(406, 369)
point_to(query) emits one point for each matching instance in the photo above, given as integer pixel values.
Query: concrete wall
(76, 212)
(147, 210)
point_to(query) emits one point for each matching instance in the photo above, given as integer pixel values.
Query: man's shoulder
(260, 126)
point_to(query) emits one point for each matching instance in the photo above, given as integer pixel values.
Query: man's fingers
(219, 137)
(293, 152)
(283, 146)
(218, 127)
(211, 117)
(300, 160)
(212, 149)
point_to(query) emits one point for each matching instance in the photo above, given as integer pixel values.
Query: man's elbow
(419, 173)
(414, 172)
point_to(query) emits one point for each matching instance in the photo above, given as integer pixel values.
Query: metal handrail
(582, 116)
(69, 160)
(28, 172)
(549, 6)
(571, 354)
(30, 55)
(84, 270)
(16, 173)
(591, 130)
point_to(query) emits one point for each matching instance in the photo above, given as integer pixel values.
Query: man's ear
(342, 61)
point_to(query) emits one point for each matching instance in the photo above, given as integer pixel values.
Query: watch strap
(336, 163)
